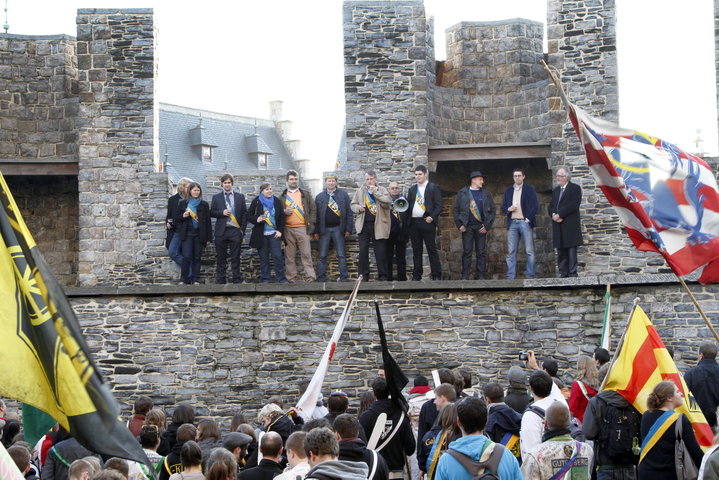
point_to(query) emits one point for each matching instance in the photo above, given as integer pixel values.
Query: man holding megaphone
(397, 241)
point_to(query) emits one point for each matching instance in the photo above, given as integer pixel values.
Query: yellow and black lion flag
(46, 362)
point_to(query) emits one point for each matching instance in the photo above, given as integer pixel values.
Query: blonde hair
(268, 411)
(587, 371)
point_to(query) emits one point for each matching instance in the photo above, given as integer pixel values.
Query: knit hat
(517, 377)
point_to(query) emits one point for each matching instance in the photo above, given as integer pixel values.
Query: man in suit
(229, 209)
(520, 206)
(334, 222)
(566, 226)
(421, 220)
(371, 205)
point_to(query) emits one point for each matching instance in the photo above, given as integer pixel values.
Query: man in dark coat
(334, 223)
(420, 222)
(60, 456)
(566, 227)
(269, 467)
(397, 241)
(354, 449)
(229, 209)
(474, 213)
(703, 382)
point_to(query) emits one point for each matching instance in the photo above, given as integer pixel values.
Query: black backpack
(574, 429)
(619, 433)
(490, 467)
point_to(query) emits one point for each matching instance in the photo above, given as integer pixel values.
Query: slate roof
(233, 137)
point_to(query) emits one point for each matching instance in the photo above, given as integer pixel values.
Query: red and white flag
(308, 401)
(666, 199)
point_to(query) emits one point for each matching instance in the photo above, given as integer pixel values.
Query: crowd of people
(533, 427)
(383, 219)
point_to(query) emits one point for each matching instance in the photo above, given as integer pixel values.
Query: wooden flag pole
(696, 304)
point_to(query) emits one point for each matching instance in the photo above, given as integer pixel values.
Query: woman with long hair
(208, 436)
(656, 460)
(191, 460)
(221, 465)
(366, 399)
(447, 419)
(194, 226)
(585, 386)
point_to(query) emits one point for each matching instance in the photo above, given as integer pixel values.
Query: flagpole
(696, 304)
(606, 327)
(620, 344)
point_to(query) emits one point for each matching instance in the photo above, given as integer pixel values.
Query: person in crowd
(467, 389)
(237, 443)
(420, 222)
(142, 406)
(471, 419)
(183, 413)
(474, 213)
(520, 205)
(444, 394)
(418, 395)
(371, 204)
(229, 209)
(297, 466)
(334, 223)
(601, 359)
(194, 226)
(208, 436)
(119, 465)
(9, 431)
(61, 456)
(150, 441)
(95, 462)
(266, 213)
(300, 221)
(559, 455)
(429, 412)
(269, 467)
(173, 462)
(503, 422)
(253, 448)
(703, 382)
(585, 386)
(517, 396)
(657, 458)
(354, 449)
(320, 411)
(221, 465)
(366, 400)
(566, 226)
(21, 457)
(80, 470)
(448, 432)
(322, 450)
(709, 468)
(614, 425)
(173, 242)
(237, 419)
(273, 419)
(396, 440)
(108, 474)
(544, 392)
(397, 241)
(191, 460)
(156, 417)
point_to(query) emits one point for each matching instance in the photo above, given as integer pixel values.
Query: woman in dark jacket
(195, 229)
(266, 213)
(657, 461)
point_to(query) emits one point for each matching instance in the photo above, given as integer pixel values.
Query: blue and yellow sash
(332, 204)
(370, 203)
(419, 200)
(232, 214)
(475, 210)
(193, 215)
(296, 208)
(660, 426)
(268, 220)
(511, 442)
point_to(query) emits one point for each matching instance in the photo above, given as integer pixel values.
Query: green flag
(35, 423)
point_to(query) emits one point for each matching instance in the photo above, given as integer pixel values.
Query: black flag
(396, 379)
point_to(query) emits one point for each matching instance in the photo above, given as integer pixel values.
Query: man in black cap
(474, 212)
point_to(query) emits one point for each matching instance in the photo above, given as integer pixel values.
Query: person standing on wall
(566, 226)
(421, 220)
(397, 241)
(229, 209)
(299, 226)
(334, 223)
(474, 213)
(371, 205)
(520, 205)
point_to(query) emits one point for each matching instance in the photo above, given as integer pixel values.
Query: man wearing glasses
(520, 206)
(566, 227)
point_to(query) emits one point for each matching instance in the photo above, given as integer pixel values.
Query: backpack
(574, 429)
(619, 433)
(489, 467)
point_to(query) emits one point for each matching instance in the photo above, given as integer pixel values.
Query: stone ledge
(112, 11)
(13, 36)
(409, 286)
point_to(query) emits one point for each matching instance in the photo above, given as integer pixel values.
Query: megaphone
(400, 205)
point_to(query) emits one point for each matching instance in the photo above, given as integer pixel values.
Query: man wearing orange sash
(301, 217)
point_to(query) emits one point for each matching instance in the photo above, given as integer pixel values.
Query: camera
(523, 356)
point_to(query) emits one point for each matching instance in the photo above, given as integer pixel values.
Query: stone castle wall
(236, 348)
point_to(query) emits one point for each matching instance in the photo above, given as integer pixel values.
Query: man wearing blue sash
(420, 223)
(229, 209)
(371, 205)
(334, 223)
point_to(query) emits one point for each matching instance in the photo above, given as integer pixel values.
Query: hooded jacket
(355, 450)
(338, 470)
(402, 443)
(449, 468)
(502, 419)
(593, 420)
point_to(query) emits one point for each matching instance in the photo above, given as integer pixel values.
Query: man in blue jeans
(520, 205)
(334, 222)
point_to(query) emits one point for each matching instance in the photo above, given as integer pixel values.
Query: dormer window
(262, 161)
(206, 153)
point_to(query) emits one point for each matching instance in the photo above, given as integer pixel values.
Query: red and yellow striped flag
(641, 363)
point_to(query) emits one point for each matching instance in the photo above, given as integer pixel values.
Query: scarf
(192, 204)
